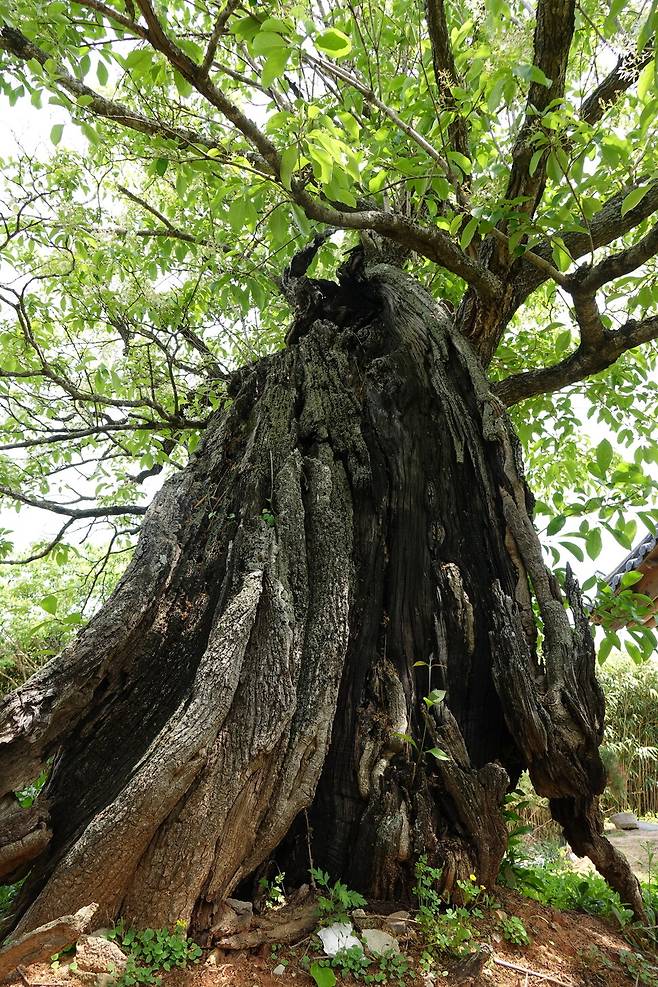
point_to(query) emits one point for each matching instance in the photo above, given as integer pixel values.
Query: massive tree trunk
(353, 533)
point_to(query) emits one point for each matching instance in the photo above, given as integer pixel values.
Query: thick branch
(82, 433)
(445, 71)
(617, 265)
(606, 225)
(219, 28)
(553, 34)
(584, 362)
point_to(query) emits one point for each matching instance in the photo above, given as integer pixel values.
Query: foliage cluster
(389, 967)
(151, 951)
(43, 605)
(337, 899)
(273, 890)
(447, 928)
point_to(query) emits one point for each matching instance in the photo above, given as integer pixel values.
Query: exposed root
(286, 926)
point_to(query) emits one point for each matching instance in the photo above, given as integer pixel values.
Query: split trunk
(352, 539)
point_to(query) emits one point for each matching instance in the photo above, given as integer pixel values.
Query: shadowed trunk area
(353, 533)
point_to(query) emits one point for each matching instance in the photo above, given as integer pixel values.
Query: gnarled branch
(588, 359)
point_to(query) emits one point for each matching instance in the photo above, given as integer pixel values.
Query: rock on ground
(93, 954)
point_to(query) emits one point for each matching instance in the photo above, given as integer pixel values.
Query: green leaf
(288, 164)
(101, 73)
(437, 753)
(556, 524)
(436, 696)
(460, 160)
(246, 27)
(161, 165)
(468, 232)
(323, 975)
(334, 42)
(605, 649)
(56, 133)
(49, 604)
(275, 65)
(532, 73)
(593, 543)
(534, 161)
(561, 255)
(266, 41)
(631, 578)
(604, 453)
(634, 198)
(182, 85)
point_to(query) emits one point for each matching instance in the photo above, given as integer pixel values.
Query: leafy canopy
(508, 150)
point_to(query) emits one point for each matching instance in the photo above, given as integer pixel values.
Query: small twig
(310, 854)
(531, 973)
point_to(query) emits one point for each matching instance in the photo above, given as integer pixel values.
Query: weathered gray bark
(357, 510)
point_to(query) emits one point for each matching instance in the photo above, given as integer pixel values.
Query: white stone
(624, 820)
(378, 941)
(279, 970)
(338, 936)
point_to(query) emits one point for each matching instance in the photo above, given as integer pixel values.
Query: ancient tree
(337, 629)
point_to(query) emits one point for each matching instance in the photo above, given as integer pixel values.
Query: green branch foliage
(510, 152)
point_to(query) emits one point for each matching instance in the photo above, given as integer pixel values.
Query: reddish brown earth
(567, 948)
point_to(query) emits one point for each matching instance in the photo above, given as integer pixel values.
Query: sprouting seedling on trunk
(433, 698)
(268, 517)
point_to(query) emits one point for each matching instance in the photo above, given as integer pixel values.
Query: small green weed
(445, 930)
(514, 931)
(594, 959)
(638, 968)
(8, 893)
(26, 796)
(390, 967)
(338, 901)
(275, 895)
(152, 950)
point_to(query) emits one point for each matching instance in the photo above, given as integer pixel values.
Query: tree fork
(353, 533)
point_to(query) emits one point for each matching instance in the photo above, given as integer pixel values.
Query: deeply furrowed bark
(353, 532)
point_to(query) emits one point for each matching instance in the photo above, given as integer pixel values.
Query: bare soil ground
(567, 948)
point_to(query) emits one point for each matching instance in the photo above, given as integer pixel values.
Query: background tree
(335, 599)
